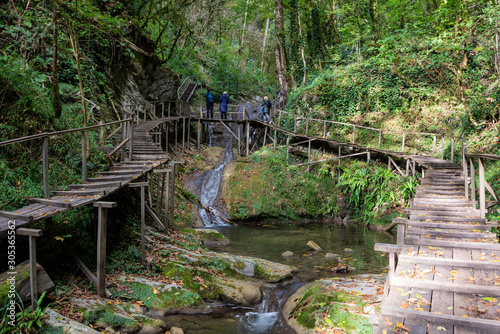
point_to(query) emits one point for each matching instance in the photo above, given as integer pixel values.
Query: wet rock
(343, 268)
(176, 330)
(349, 251)
(252, 294)
(150, 329)
(287, 254)
(332, 256)
(314, 246)
(212, 237)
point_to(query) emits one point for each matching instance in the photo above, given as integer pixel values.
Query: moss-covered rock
(339, 304)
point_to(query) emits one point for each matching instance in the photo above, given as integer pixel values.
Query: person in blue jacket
(210, 103)
(223, 100)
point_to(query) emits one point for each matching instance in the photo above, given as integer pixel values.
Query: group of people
(223, 100)
(266, 106)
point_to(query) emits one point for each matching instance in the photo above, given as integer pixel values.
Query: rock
(252, 294)
(148, 329)
(22, 281)
(287, 254)
(349, 251)
(109, 330)
(176, 330)
(343, 268)
(314, 246)
(67, 325)
(331, 256)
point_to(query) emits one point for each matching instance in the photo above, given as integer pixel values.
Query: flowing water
(269, 242)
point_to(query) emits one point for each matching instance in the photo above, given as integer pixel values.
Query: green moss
(107, 316)
(173, 298)
(339, 306)
(239, 265)
(48, 329)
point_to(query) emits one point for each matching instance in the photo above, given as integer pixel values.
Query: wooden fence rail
(127, 139)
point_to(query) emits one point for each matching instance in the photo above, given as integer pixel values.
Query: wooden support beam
(101, 244)
(482, 192)
(248, 138)
(119, 146)
(473, 183)
(89, 273)
(84, 157)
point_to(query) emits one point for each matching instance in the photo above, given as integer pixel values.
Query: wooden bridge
(443, 270)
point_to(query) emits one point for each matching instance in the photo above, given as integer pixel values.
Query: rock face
(142, 78)
(67, 325)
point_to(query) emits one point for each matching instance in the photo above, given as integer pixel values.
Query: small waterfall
(210, 189)
(267, 318)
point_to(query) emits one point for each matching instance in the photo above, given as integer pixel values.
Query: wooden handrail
(50, 134)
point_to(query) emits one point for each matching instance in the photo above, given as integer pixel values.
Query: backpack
(210, 97)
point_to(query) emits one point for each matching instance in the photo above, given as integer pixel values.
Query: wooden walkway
(447, 275)
(146, 157)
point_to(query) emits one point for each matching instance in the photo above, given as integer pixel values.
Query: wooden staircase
(188, 92)
(446, 278)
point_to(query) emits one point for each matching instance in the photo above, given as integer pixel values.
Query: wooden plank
(484, 265)
(44, 201)
(454, 226)
(488, 326)
(95, 192)
(29, 231)
(442, 301)
(456, 287)
(450, 234)
(107, 205)
(458, 244)
(17, 216)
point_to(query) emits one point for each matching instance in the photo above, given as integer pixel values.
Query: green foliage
(262, 189)
(369, 188)
(27, 320)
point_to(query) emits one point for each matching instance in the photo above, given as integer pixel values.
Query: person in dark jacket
(223, 100)
(267, 105)
(209, 97)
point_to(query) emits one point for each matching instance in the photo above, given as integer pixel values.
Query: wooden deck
(447, 274)
(146, 157)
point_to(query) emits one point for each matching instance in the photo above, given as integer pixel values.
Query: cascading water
(267, 318)
(210, 189)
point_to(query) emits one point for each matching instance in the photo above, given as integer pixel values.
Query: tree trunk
(76, 54)
(56, 100)
(264, 45)
(244, 25)
(281, 58)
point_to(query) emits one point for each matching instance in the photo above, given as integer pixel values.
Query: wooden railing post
(308, 156)
(403, 145)
(482, 192)
(379, 138)
(279, 119)
(354, 134)
(324, 129)
(465, 171)
(294, 123)
(32, 234)
(442, 147)
(433, 145)
(45, 159)
(473, 183)
(452, 149)
(130, 140)
(307, 126)
(84, 157)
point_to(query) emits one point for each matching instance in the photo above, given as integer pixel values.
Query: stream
(269, 242)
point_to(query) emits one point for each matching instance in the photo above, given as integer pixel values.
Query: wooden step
(442, 188)
(446, 219)
(455, 226)
(432, 192)
(449, 243)
(123, 172)
(45, 201)
(95, 185)
(430, 212)
(456, 202)
(486, 326)
(113, 178)
(446, 233)
(440, 261)
(488, 290)
(90, 192)
(441, 208)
